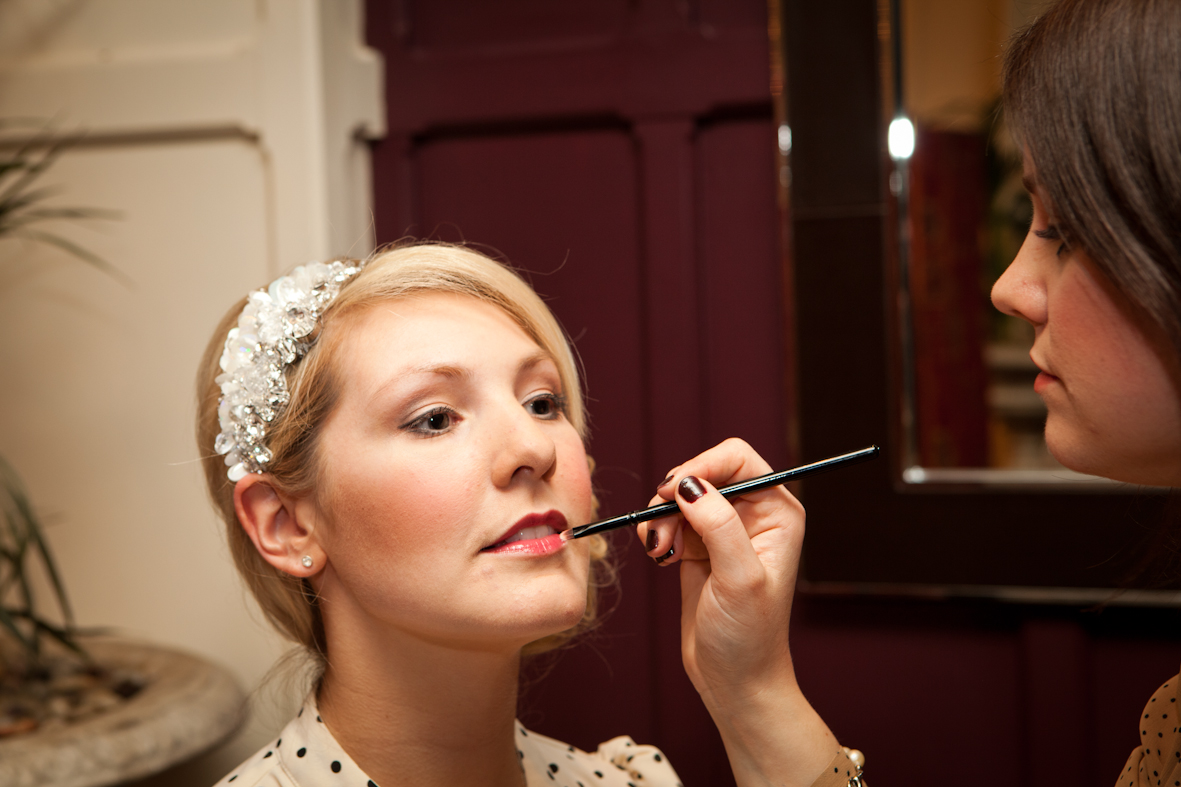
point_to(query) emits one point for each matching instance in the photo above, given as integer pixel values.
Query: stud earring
(307, 561)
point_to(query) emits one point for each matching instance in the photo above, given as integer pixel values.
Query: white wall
(206, 125)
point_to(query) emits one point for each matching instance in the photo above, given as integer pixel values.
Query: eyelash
(1052, 233)
(557, 400)
(420, 425)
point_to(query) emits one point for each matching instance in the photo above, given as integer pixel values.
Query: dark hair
(1092, 90)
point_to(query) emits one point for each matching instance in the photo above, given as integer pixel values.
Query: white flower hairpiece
(269, 337)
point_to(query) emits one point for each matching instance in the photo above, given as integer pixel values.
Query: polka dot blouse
(306, 755)
(1156, 762)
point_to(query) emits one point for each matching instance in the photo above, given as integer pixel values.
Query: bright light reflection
(785, 139)
(900, 138)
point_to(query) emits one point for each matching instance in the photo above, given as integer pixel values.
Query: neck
(415, 712)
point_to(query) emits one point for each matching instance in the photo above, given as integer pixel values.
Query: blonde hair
(288, 602)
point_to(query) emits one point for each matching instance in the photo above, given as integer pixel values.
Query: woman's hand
(739, 559)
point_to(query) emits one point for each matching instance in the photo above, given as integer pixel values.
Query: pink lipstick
(533, 534)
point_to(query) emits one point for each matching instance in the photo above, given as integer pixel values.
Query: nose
(524, 450)
(1021, 289)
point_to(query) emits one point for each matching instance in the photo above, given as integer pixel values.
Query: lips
(1044, 378)
(535, 534)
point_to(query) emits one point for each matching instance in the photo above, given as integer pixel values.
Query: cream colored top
(1157, 760)
(305, 754)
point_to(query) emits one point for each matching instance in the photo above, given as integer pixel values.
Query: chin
(1090, 456)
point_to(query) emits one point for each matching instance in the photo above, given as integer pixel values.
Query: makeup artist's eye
(547, 406)
(436, 422)
(1051, 233)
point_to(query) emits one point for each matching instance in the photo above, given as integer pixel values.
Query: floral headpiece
(269, 337)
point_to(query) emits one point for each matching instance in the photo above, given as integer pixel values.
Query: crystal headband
(270, 336)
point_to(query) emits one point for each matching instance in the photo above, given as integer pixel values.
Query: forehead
(429, 330)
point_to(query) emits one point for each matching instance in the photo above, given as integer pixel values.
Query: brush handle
(734, 490)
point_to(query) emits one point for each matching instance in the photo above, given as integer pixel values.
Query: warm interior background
(624, 153)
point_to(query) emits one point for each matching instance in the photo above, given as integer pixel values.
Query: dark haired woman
(1092, 91)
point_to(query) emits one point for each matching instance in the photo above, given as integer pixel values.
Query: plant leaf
(79, 252)
(17, 493)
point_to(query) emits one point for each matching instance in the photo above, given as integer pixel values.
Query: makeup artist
(1093, 92)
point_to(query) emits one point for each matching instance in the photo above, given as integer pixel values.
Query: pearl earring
(307, 561)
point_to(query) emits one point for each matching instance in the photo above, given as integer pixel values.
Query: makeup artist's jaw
(450, 468)
(1111, 387)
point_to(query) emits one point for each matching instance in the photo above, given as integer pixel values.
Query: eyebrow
(458, 372)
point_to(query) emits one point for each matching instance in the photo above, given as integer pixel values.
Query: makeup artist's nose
(526, 449)
(1021, 289)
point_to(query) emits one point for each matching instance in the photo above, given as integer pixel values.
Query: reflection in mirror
(969, 410)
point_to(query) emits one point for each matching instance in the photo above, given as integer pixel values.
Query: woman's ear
(273, 523)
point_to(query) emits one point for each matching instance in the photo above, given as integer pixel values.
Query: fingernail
(691, 489)
(660, 560)
(667, 478)
(652, 541)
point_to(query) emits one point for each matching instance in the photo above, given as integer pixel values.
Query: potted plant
(77, 710)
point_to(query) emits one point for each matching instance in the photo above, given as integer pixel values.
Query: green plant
(22, 208)
(23, 214)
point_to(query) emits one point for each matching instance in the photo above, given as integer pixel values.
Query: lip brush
(734, 490)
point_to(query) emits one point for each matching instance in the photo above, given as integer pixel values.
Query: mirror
(969, 412)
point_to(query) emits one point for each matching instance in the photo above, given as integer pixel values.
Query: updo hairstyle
(289, 602)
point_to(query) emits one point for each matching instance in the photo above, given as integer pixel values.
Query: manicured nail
(691, 489)
(660, 560)
(667, 478)
(652, 541)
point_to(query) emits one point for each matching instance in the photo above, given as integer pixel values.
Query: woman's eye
(435, 422)
(546, 406)
(1051, 233)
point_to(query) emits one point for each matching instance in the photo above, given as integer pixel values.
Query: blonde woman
(394, 447)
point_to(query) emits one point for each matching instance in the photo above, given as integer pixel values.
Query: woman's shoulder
(619, 761)
(1157, 759)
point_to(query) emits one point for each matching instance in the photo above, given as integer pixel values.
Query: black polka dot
(235, 776)
(319, 719)
(553, 766)
(268, 754)
(599, 774)
(656, 756)
(278, 743)
(299, 714)
(371, 783)
(336, 766)
(301, 752)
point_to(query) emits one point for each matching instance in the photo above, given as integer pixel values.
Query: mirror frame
(869, 529)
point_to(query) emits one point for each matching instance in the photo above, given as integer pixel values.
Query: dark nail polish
(652, 541)
(691, 489)
(667, 478)
(660, 560)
